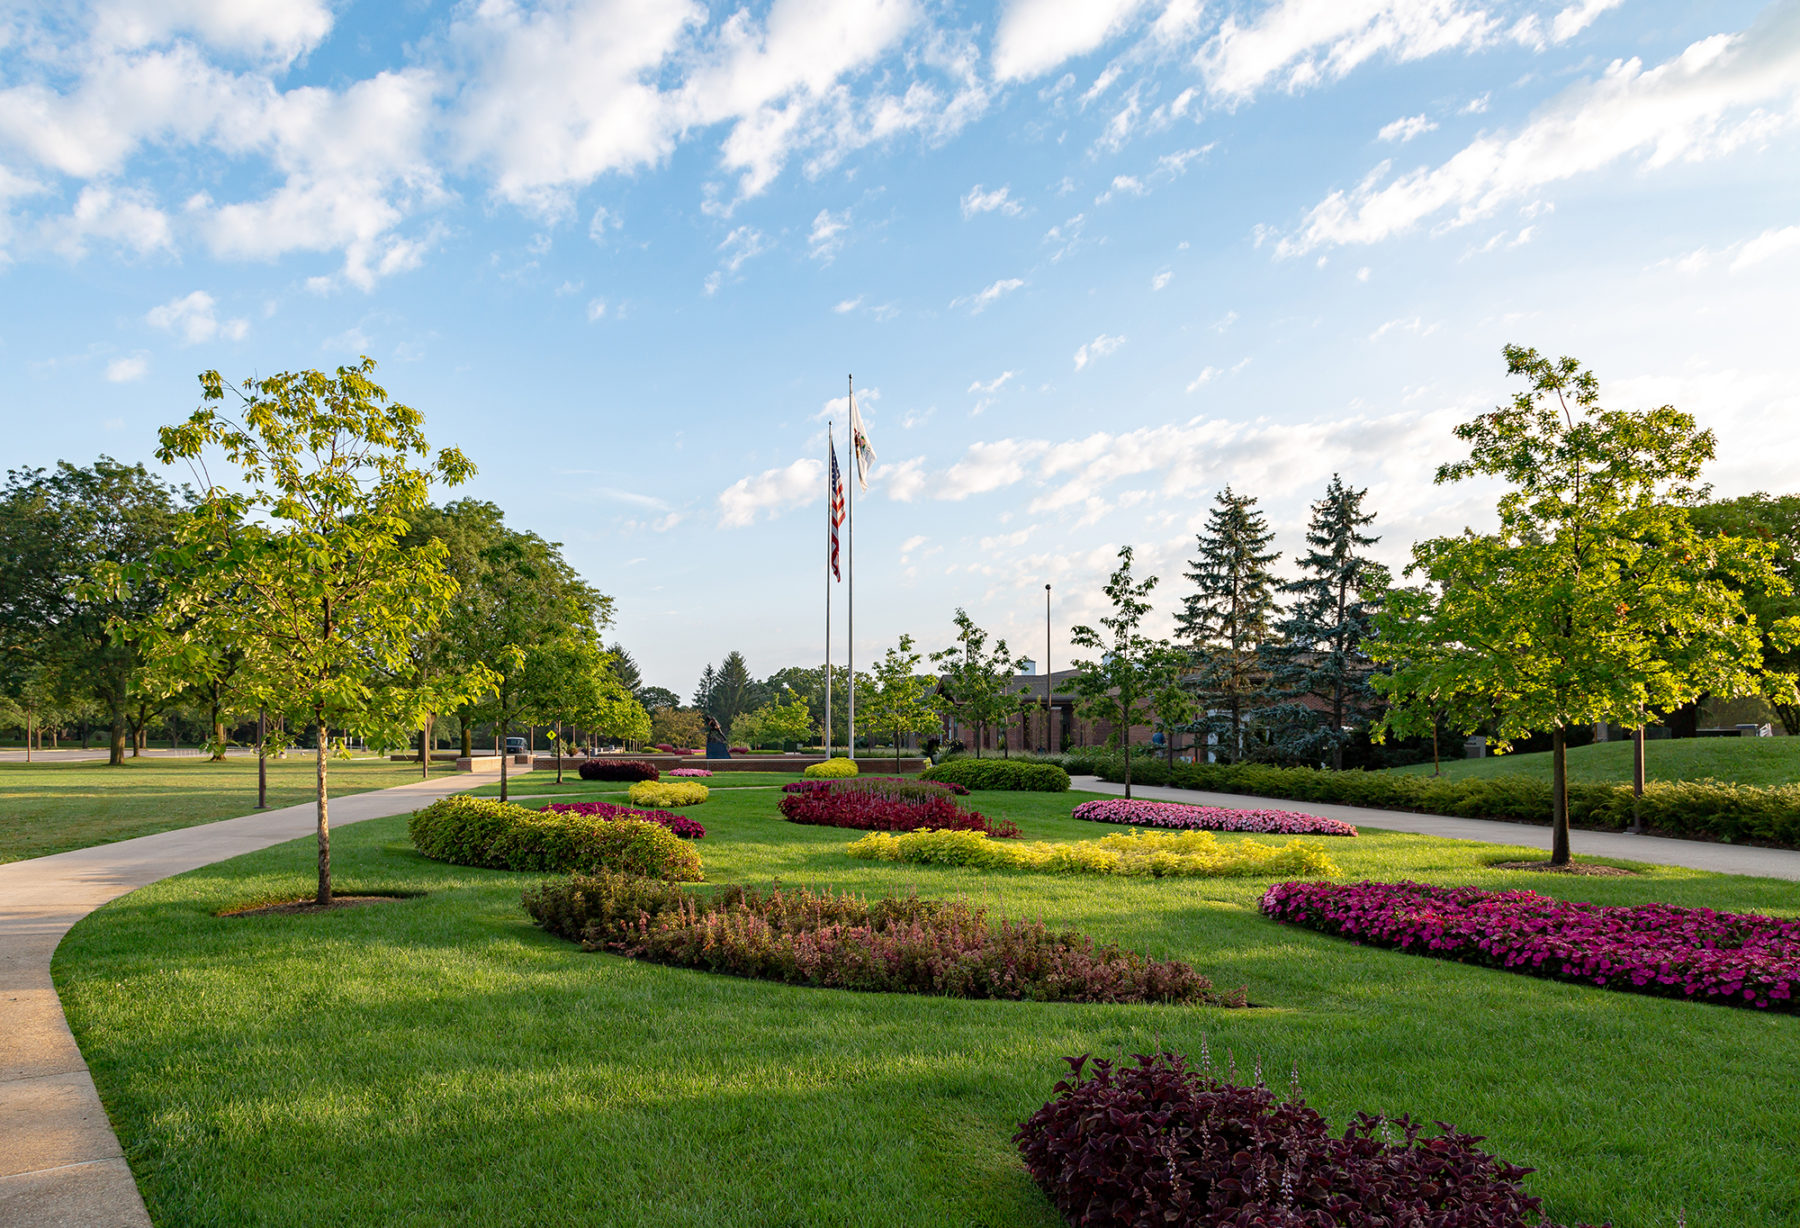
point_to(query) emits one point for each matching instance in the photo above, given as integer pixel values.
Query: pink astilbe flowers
(1183, 817)
(680, 824)
(1738, 959)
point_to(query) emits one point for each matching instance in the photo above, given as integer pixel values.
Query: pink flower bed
(689, 772)
(1739, 959)
(1210, 818)
(680, 824)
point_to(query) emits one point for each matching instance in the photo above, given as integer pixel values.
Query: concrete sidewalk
(1693, 854)
(60, 1163)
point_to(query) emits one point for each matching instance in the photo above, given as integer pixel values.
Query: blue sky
(1090, 260)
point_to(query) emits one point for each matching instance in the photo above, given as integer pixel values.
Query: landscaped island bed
(440, 1059)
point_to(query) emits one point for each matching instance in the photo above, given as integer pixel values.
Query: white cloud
(603, 221)
(1406, 129)
(983, 299)
(194, 318)
(1122, 185)
(986, 467)
(1099, 347)
(838, 408)
(992, 386)
(596, 309)
(125, 216)
(827, 236)
(1719, 95)
(1578, 17)
(1407, 324)
(1161, 279)
(1769, 245)
(770, 493)
(276, 29)
(846, 306)
(1000, 199)
(741, 243)
(1301, 43)
(125, 370)
(1034, 36)
(1207, 375)
(1066, 237)
(906, 481)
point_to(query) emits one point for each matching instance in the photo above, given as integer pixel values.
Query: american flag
(835, 513)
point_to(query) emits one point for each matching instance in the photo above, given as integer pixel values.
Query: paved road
(1694, 854)
(60, 1163)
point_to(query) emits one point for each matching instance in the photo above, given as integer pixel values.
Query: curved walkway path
(1659, 850)
(60, 1163)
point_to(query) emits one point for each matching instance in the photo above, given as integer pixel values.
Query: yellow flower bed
(1157, 854)
(666, 793)
(831, 769)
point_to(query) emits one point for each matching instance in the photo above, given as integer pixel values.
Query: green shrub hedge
(1693, 809)
(1018, 775)
(496, 835)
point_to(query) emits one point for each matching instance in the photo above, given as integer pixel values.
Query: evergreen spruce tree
(1228, 617)
(1318, 653)
(703, 694)
(733, 690)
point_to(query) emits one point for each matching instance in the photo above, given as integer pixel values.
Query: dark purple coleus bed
(1155, 1142)
(1739, 959)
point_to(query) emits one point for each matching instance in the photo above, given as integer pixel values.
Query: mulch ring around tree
(310, 905)
(1583, 868)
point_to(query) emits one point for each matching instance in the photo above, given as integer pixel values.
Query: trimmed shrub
(681, 825)
(1196, 854)
(1735, 959)
(496, 835)
(1155, 1142)
(830, 769)
(1692, 809)
(618, 769)
(666, 793)
(845, 942)
(1017, 775)
(864, 810)
(1209, 818)
(740, 750)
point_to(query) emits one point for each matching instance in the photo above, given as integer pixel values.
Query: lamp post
(1049, 698)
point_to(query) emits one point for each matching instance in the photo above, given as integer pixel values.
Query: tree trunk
(319, 757)
(1637, 780)
(425, 749)
(1337, 716)
(115, 754)
(1559, 798)
(559, 748)
(500, 740)
(1126, 743)
(468, 742)
(28, 737)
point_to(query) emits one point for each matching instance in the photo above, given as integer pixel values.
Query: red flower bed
(618, 769)
(1159, 1143)
(868, 810)
(680, 824)
(1735, 958)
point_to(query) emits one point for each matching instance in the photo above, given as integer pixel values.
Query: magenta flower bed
(1738, 959)
(689, 772)
(680, 824)
(1210, 818)
(887, 786)
(864, 810)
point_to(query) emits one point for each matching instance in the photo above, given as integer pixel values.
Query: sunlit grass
(439, 1060)
(52, 807)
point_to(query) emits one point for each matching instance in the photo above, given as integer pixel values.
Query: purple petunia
(1739, 959)
(1210, 818)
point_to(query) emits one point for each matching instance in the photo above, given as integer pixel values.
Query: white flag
(859, 446)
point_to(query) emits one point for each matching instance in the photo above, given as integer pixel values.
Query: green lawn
(542, 785)
(438, 1060)
(53, 807)
(1747, 761)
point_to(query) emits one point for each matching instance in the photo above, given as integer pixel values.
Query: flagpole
(850, 629)
(830, 529)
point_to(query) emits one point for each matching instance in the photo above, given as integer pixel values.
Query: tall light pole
(1049, 698)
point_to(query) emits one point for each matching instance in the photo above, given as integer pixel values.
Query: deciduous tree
(1121, 684)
